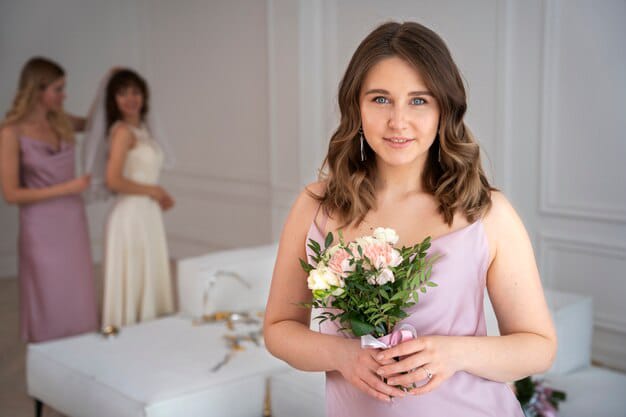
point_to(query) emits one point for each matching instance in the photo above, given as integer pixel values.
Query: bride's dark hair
(456, 178)
(120, 80)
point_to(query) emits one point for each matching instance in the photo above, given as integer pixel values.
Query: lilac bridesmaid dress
(453, 308)
(57, 294)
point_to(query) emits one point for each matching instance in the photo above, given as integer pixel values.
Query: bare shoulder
(121, 134)
(9, 132)
(500, 209)
(502, 221)
(317, 188)
(307, 202)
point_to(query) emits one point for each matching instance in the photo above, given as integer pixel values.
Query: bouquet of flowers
(537, 399)
(368, 283)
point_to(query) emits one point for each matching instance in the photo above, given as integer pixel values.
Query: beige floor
(14, 402)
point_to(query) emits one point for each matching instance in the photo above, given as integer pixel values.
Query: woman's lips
(398, 141)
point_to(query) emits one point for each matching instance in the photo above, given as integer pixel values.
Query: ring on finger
(429, 374)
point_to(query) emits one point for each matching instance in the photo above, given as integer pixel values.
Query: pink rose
(381, 254)
(339, 263)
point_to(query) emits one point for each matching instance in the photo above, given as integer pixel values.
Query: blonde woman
(402, 157)
(57, 296)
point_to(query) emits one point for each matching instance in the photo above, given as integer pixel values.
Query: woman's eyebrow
(385, 92)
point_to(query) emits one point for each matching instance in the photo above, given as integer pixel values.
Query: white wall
(206, 63)
(566, 147)
(249, 91)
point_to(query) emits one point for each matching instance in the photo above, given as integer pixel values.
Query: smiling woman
(137, 283)
(402, 158)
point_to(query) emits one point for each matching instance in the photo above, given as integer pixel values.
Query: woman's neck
(397, 182)
(37, 116)
(133, 120)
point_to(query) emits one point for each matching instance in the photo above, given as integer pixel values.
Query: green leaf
(423, 289)
(398, 296)
(307, 268)
(329, 240)
(431, 284)
(360, 328)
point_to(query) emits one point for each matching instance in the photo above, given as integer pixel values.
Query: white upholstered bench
(160, 368)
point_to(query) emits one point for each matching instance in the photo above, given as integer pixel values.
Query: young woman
(403, 158)
(137, 283)
(57, 295)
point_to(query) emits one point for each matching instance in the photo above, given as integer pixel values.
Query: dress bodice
(144, 161)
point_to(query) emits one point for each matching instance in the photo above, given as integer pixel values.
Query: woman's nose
(397, 118)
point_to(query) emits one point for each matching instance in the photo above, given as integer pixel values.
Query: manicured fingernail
(391, 381)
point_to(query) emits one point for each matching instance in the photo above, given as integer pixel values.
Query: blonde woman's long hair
(452, 173)
(37, 74)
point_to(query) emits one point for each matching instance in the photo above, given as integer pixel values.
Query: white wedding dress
(137, 284)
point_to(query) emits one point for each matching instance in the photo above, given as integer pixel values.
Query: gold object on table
(267, 401)
(109, 331)
(230, 318)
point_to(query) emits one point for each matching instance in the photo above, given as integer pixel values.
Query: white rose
(385, 276)
(386, 234)
(322, 278)
(363, 242)
(396, 258)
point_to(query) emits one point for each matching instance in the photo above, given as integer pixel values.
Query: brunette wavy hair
(36, 75)
(453, 171)
(122, 79)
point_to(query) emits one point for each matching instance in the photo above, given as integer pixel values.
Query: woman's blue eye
(381, 100)
(418, 101)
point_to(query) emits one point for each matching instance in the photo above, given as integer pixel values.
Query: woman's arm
(10, 173)
(286, 328)
(122, 141)
(527, 344)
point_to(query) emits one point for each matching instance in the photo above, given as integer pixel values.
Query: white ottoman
(154, 369)
(232, 280)
(573, 320)
(591, 391)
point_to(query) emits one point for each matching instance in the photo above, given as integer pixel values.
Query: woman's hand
(78, 184)
(358, 367)
(430, 358)
(158, 194)
(167, 202)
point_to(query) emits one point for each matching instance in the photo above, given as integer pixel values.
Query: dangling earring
(439, 149)
(361, 139)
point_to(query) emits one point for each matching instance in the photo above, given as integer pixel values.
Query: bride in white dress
(137, 283)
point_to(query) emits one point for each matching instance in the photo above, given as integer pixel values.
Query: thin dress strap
(322, 225)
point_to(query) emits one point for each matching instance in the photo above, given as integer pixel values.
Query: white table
(154, 369)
